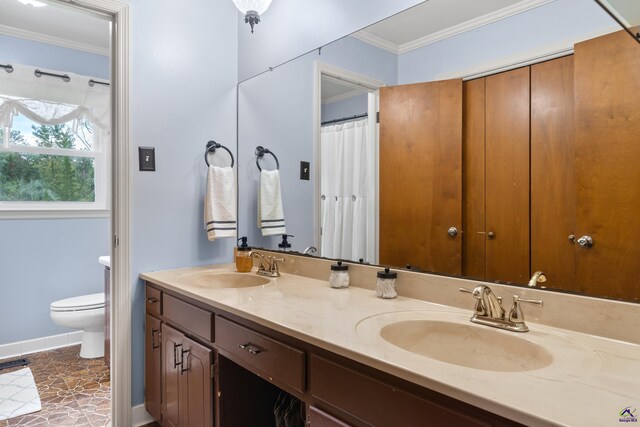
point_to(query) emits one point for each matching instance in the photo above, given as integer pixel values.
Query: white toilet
(85, 312)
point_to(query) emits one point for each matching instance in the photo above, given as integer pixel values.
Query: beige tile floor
(73, 391)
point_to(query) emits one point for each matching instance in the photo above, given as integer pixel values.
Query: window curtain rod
(344, 119)
(65, 77)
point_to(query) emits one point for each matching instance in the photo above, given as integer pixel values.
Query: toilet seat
(81, 303)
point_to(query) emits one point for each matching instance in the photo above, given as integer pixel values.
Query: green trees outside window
(42, 177)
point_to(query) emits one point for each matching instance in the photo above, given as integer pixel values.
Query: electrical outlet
(304, 170)
(147, 158)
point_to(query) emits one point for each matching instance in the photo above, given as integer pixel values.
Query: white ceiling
(334, 90)
(435, 20)
(56, 24)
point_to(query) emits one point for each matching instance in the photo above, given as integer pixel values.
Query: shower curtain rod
(344, 119)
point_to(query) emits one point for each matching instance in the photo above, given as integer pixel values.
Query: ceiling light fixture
(32, 3)
(252, 10)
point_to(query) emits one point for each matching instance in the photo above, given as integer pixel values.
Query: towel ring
(211, 148)
(261, 151)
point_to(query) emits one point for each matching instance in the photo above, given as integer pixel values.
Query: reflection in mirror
(626, 13)
(484, 162)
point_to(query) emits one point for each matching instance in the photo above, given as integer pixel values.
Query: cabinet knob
(572, 238)
(453, 232)
(491, 235)
(585, 241)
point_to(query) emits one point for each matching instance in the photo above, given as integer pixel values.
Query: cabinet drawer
(190, 317)
(378, 403)
(275, 359)
(317, 418)
(153, 301)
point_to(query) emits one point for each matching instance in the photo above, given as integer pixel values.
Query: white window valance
(50, 100)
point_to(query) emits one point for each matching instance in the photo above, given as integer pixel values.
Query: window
(54, 155)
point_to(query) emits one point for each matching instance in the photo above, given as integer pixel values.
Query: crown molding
(57, 41)
(377, 41)
(344, 96)
(521, 59)
(463, 27)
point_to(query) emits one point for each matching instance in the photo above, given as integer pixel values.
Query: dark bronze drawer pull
(250, 348)
(183, 370)
(154, 331)
(151, 300)
(176, 363)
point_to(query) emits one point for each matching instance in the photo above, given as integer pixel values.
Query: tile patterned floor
(73, 391)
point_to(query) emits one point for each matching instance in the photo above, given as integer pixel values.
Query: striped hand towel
(220, 203)
(270, 213)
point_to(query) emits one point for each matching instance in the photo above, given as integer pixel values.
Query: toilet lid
(84, 302)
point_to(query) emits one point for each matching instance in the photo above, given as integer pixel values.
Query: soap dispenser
(244, 263)
(386, 284)
(285, 245)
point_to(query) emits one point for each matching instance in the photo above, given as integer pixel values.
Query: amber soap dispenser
(244, 263)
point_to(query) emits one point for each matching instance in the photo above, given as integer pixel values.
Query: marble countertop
(590, 380)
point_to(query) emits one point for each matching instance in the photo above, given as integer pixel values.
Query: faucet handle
(466, 291)
(516, 315)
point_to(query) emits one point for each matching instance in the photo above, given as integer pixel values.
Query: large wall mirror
(488, 140)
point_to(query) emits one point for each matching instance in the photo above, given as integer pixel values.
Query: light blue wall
(42, 261)
(349, 107)
(536, 28)
(293, 27)
(286, 127)
(183, 81)
(27, 52)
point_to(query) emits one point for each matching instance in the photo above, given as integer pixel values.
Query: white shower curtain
(345, 156)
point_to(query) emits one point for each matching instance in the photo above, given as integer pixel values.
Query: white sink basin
(221, 279)
(467, 345)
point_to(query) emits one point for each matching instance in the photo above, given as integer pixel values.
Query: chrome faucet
(268, 265)
(489, 311)
(538, 276)
(310, 250)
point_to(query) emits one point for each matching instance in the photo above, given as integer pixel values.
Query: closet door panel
(607, 100)
(473, 179)
(420, 175)
(507, 176)
(552, 172)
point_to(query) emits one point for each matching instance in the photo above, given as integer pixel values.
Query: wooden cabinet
(187, 374)
(153, 367)
(420, 175)
(496, 177)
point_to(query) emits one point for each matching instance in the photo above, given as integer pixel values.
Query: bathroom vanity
(221, 347)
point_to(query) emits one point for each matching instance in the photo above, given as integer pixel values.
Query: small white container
(339, 277)
(386, 284)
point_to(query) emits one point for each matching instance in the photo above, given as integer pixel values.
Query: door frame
(120, 210)
(372, 86)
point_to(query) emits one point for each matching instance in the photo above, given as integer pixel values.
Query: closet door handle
(452, 231)
(491, 235)
(585, 241)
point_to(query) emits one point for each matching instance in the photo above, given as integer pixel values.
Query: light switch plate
(147, 158)
(304, 170)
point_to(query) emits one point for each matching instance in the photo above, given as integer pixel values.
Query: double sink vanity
(222, 347)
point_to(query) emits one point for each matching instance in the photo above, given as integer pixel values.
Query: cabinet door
(552, 172)
(607, 88)
(196, 399)
(153, 367)
(171, 353)
(420, 175)
(507, 176)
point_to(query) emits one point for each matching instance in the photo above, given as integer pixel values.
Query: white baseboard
(140, 416)
(20, 348)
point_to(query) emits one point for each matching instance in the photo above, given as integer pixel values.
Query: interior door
(607, 100)
(507, 176)
(420, 175)
(553, 208)
(152, 367)
(171, 350)
(196, 384)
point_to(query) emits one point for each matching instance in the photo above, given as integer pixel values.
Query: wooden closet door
(607, 100)
(473, 180)
(552, 172)
(507, 176)
(420, 175)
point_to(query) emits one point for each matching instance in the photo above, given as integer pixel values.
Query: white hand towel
(270, 213)
(220, 203)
